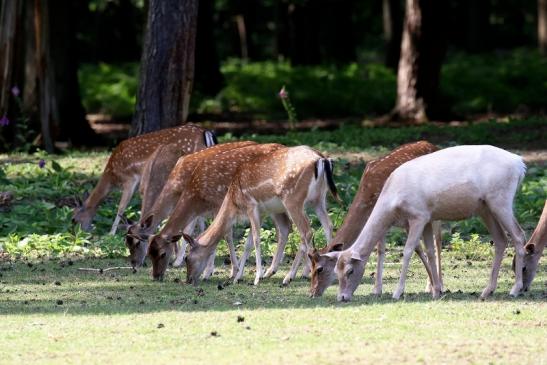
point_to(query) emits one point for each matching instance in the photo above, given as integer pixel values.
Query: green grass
(116, 318)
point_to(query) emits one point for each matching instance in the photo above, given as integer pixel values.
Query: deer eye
(138, 243)
(162, 255)
(319, 269)
(349, 272)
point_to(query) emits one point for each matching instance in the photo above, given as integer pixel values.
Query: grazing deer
(534, 251)
(156, 211)
(125, 166)
(202, 195)
(281, 182)
(372, 181)
(452, 184)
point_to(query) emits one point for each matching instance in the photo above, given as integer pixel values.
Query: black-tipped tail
(210, 138)
(328, 166)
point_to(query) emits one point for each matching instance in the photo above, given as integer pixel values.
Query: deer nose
(134, 263)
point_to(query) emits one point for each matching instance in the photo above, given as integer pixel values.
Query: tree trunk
(393, 29)
(209, 80)
(542, 26)
(72, 124)
(40, 62)
(422, 52)
(167, 65)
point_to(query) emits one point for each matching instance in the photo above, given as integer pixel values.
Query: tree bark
(422, 51)
(542, 26)
(40, 62)
(393, 29)
(209, 79)
(167, 65)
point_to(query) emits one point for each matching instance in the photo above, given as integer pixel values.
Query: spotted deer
(126, 163)
(281, 182)
(159, 208)
(372, 182)
(202, 195)
(534, 250)
(450, 184)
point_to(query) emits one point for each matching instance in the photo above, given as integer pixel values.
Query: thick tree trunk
(10, 33)
(393, 29)
(422, 52)
(40, 62)
(542, 26)
(167, 65)
(209, 80)
(72, 124)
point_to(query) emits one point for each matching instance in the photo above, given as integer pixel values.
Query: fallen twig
(100, 271)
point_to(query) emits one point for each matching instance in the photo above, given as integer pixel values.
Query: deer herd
(185, 176)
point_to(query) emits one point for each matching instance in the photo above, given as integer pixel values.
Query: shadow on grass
(49, 288)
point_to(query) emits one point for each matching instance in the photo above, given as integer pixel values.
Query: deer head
(531, 262)
(322, 273)
(136, 241)
(349, 269)
(197, 259)
(160, 250)
(81, 214)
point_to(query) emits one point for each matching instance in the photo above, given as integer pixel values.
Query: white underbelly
(274, 205)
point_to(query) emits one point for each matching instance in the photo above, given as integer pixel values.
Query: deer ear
(313, 254)
(337, 247)
(147, 223)
(176, 238)
(356, 256)
(189, 239)
(530, 248)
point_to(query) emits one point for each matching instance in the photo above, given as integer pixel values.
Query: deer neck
(357, 216)
(374, 230)
(222, 222)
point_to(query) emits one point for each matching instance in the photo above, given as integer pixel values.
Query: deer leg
(229, 237)
(500, 243)
(210, 268)
(507, 220)
(244, 257)
(381, 250)
(321, 211)
(415, 231)
(438, 238)
(254, 218)
(296, 212)
(283, 226)
(430, 250)
(127, 193)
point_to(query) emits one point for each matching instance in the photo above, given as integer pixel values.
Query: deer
(157, 209)
(373, 179)
(203, 195)
(125, 167)
(284, 181)
(451, 184)
(533, 251)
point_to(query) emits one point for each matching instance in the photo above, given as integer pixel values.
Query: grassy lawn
(51, 312)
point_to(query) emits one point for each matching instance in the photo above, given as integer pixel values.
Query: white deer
(452, 184)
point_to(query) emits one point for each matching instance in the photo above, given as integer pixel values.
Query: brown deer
(281, 182)
(372, 182)
(156, 211)
(125, 166)
(450, 184)
(203, 194)
(534, 250)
